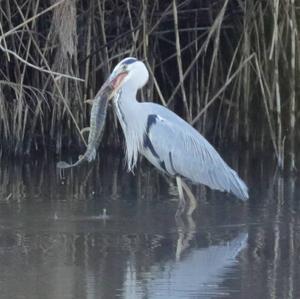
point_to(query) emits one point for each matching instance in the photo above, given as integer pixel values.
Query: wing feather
(193, 157)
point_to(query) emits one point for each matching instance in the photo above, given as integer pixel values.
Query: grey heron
(166, 140)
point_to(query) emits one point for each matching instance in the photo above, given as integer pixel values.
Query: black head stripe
(129, 61)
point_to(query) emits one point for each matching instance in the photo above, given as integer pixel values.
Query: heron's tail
(237, 186)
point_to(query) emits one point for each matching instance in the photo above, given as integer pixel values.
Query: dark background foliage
(230, 68)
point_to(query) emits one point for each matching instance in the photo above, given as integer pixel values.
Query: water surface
(99, 232)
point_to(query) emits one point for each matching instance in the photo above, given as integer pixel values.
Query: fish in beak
(98, 115)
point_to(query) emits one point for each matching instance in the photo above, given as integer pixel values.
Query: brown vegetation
(229, 67)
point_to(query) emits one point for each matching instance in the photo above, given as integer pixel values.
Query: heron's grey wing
(181, 150)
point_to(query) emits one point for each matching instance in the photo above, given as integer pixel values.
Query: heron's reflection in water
(199, 273)
(186, 230)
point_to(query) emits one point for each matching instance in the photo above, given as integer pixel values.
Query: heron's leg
(193, 203)
(181, 204)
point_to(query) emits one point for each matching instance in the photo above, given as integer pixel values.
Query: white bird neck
(126, 105)
(132, 121)
(128, 91)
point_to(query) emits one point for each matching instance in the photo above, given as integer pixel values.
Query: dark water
(99, 232)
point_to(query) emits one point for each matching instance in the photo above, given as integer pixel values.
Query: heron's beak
(118, 79)
(115, 81)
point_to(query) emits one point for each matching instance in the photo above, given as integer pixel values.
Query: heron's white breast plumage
(133, 123)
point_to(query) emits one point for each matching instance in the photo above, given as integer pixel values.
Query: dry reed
(228, 67)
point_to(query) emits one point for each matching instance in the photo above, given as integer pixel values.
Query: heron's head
(129, 70)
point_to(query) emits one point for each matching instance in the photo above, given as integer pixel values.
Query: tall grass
(230, 68)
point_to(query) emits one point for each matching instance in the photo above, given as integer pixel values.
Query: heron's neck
(129, 113)
(126, 105)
